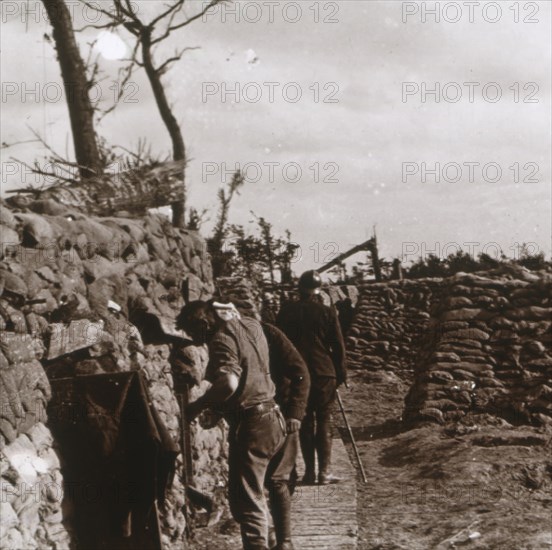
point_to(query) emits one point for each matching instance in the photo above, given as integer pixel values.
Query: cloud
(362, 61)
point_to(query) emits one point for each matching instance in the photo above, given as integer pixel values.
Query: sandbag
(6, 217)
(36, 231)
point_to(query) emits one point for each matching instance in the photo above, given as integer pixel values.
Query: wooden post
(397, 270)
(375, 257)
(186, 437)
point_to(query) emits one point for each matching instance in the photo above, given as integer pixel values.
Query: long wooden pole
(357, 454)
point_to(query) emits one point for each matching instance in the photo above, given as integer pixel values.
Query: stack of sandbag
(490, 351)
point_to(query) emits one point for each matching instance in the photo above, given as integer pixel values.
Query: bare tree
(76, 85)
(148, 35)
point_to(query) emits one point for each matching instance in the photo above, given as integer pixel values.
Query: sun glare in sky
(111, 46)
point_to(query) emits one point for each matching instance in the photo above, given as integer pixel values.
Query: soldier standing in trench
(243, 391)
(291, 377)
(314, 330)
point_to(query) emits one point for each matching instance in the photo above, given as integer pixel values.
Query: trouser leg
(252, 446)
(280, 504)
(281, 479)
(326, 395)
(324, 442)
(306, 436)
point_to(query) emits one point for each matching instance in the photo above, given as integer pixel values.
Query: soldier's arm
(289, 368)
(223, 387)
(223, 371)
(337, 346)
(298, 374)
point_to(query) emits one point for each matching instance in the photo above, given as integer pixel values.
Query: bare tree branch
(6, 145)
(113, 21)
(171, 10)
(129, 11)
(164, 66)
(56, 158)
(110, 25)
(127, 71)
(55, 155)
(39, 171)
(211, 4)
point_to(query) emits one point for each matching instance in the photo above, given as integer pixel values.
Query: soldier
(314, 330)
(243, 391)
(291, 377)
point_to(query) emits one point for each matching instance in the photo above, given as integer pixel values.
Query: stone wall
(209, 451)
(59, 271)
(31, 481)
(32, 492)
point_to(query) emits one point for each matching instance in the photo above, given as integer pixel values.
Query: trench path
(325, 516)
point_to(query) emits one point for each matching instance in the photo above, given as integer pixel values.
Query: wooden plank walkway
(325, 516)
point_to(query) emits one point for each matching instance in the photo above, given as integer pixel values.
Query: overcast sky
(360, 132)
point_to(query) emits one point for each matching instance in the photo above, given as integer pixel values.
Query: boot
(280, 504)
(324, 452)
(306, 438)
(327, 478)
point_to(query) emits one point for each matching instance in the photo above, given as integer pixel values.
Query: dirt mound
(480, 483)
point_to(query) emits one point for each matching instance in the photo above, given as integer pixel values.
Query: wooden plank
(77, 335)
(325, 516)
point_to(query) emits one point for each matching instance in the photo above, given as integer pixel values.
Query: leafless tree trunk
(76, 87)
(179, 149)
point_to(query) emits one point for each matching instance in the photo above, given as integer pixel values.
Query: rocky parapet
(83, 295)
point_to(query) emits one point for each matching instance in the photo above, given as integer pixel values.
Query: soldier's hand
(292, 425)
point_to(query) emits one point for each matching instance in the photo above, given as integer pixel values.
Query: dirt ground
(480, 484)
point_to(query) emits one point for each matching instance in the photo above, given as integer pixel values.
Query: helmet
(310, 281)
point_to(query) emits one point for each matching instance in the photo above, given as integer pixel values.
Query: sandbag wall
(59, 271)
(490, 350)
(390, 324)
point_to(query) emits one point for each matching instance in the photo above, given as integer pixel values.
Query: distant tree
(246, 257)
(531, 260)
(488, 262)
(428, 267)
(269, 247)
(219, 256)
(285, 255)
(258, 256)
(277, 253)
(461, 261)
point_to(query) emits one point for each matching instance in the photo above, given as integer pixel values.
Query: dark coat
(314, 330)
(289, 373)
